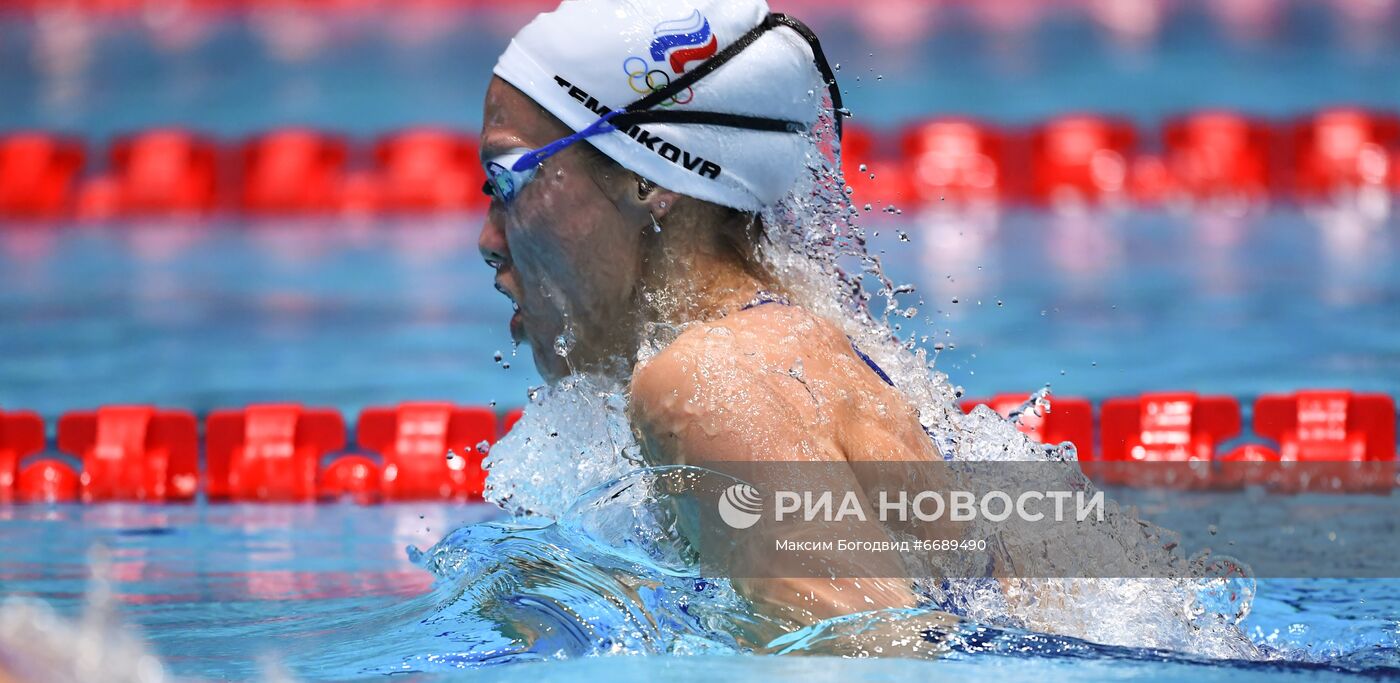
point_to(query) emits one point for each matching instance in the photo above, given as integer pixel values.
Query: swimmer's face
(566, 250)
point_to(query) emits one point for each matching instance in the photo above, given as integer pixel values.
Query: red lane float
(166, 171)
(46, 480)
(351, 476)
(293, 171)
(956, 160)
(414, 439)
(1217, 155)
(1067, 419)
(135, 453)
(1395, 172)
(37, 174)
(1340, 151)
(1327, 440)
(428, 170)
(1081, 159)
(1320, 425)
(49, 481)
(269, 452)
(874, 173)
(21, 434)
(1166, 427)
(858, 148)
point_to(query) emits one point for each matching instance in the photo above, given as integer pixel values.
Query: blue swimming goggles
(507, 174)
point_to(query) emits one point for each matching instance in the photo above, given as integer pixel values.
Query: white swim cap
(590, 57)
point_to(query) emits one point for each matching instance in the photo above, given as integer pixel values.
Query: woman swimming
(691, 118)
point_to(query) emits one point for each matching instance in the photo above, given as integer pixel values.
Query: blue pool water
(350, 313)
(328, 593)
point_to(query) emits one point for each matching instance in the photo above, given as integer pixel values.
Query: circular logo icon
(740, 506)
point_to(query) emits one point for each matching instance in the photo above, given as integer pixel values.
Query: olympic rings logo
(645, 80)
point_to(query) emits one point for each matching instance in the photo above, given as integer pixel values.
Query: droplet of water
(1037, 404)
(483, 447)
(564, 343)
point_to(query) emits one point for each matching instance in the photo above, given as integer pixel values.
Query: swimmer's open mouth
(501, 288)
(517, 318)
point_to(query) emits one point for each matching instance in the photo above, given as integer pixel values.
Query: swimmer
(630, 147)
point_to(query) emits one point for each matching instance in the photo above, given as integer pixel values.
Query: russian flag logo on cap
(684, 40)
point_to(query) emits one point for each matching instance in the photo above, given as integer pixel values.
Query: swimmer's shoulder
(766, 334)
(735, 385)
(771, 382)
(746, 345)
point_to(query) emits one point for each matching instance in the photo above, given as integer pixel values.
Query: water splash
(1037, 404)
(611, 577)
(573, 435)
(564, 343)
(37, 645)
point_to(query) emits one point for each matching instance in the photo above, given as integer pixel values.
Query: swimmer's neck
(685, 279)
(691, 279)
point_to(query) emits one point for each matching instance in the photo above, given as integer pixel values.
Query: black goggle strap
(642, 110)
(838, 109)
(627, 119)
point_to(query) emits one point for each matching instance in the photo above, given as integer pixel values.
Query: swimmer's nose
(492, 245)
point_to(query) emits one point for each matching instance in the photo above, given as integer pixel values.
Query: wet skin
(566, 250)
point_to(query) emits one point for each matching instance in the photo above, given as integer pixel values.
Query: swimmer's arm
(698, 406)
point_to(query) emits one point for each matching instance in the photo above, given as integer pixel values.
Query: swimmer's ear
(657, 200)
